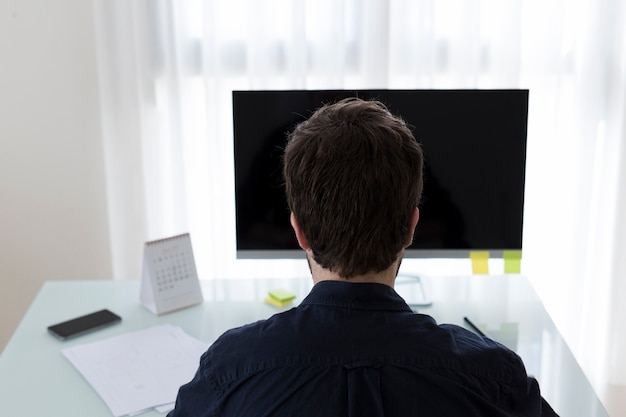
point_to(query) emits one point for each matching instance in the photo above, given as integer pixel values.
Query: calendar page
(170, 281)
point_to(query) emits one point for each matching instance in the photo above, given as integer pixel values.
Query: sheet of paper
(139, 370)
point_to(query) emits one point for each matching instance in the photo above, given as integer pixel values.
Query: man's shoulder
(257, 336)
(481, 354)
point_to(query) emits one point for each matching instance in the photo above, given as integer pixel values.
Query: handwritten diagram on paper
(139, 370)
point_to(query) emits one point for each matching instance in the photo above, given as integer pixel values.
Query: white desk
(36, 380)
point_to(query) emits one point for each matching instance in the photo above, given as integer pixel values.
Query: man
(353, 178)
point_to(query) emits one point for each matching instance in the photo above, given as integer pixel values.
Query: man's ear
(302, 240)
(415, 216)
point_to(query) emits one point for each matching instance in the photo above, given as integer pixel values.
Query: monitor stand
(412, 289)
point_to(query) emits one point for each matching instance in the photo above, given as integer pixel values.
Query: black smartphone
(84, 324)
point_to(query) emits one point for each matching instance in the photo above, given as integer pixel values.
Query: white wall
(53, 218)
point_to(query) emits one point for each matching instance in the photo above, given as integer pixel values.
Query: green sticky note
(480, 262)
(512, 261)
(282, 295)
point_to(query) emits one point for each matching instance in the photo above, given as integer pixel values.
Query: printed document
(137, 371)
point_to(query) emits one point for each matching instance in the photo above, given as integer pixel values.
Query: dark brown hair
(353, 175)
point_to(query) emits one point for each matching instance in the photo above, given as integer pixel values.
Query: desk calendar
(170, 280)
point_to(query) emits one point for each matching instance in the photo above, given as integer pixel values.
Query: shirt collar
(356, 295)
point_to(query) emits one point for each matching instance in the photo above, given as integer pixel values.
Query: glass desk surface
(35, 379)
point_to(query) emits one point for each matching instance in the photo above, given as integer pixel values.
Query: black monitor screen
(474, 144)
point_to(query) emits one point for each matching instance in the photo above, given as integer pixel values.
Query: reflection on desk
(35, 379)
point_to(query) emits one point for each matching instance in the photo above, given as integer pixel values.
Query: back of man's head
(353, 176)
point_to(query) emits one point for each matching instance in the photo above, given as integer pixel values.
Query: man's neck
(387, 277)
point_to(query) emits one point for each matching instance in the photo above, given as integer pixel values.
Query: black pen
(474, 327)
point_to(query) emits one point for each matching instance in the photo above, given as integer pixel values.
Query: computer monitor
(474, 144)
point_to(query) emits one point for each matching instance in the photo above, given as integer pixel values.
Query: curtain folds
(167, 69)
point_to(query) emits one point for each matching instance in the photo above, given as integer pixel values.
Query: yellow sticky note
(512, 261)
(480, 262)
(276, 303)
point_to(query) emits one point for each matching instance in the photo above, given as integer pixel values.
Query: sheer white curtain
(168, 68)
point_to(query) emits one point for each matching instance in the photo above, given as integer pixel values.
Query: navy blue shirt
(357, 349)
